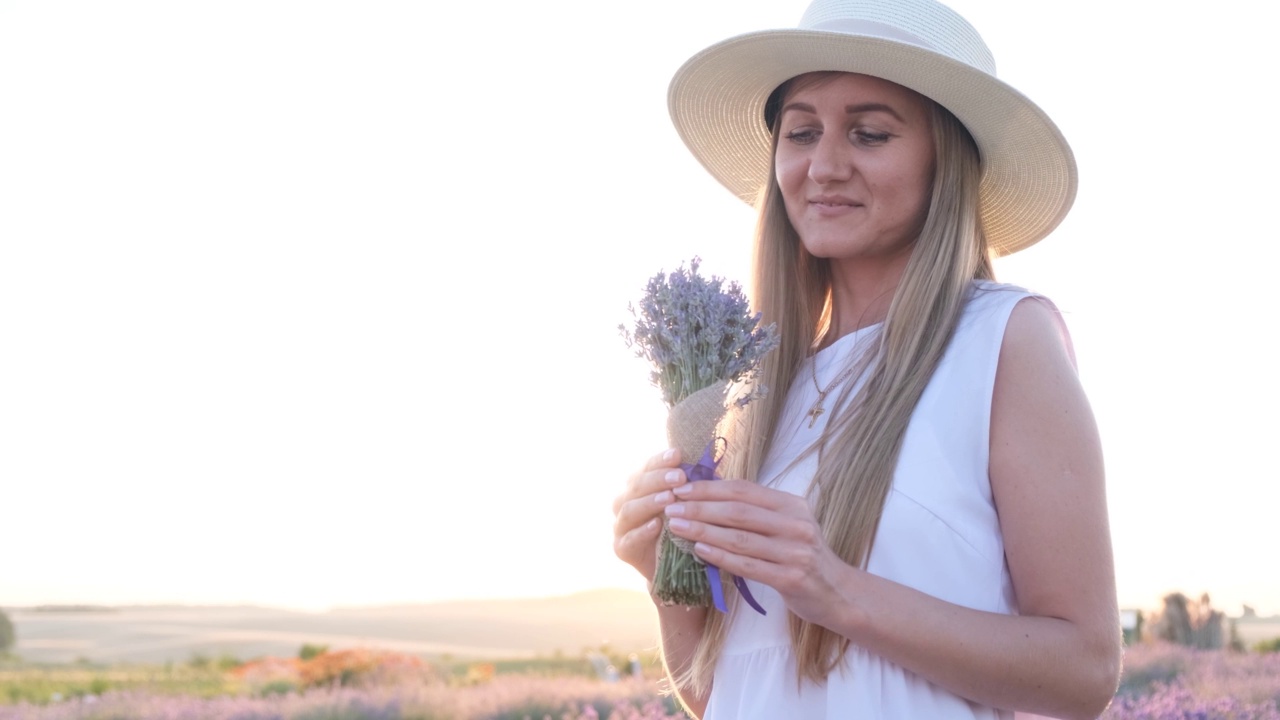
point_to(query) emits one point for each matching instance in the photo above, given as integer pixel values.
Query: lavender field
(502, 698)
(1171, 682)
(1161, 682)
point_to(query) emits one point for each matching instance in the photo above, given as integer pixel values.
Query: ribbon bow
(705, 469)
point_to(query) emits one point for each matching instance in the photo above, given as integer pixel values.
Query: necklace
(817, 410)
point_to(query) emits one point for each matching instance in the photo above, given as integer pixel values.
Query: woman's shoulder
(989, 292)
(990, 303)
(1014, 315)
(1037, 332)
(1003, 299)
(1027, 322)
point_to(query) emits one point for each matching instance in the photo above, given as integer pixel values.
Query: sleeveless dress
(939, 534)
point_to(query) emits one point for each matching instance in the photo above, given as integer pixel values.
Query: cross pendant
(814, 412)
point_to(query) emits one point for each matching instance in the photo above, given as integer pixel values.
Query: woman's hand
(638, 511)
(765, 535)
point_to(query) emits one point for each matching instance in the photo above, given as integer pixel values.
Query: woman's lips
(833, 205)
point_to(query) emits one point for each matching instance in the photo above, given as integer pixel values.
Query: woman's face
(855, 162)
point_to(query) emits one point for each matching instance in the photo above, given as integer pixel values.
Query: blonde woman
(921, 509)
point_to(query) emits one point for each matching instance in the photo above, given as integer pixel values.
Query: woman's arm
(637, 527)
(681, 629)
(1061, 656)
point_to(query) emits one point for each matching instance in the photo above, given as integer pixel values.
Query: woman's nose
(832, 160)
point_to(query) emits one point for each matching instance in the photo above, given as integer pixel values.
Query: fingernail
(651, 525)
(674, 477)
(683, 489)
(670, 453)
(674, 510)
(663, 497)
(678, 524)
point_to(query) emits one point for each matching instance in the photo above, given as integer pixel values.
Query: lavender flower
(696, 332)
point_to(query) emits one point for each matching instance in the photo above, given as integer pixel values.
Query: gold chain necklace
(817, 410)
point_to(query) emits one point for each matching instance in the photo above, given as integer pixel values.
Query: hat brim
(717, 98)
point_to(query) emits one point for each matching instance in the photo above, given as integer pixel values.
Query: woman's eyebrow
(850, 109)
(872, 107)
(802, 107)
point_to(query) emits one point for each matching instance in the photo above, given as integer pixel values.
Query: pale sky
(315, 303)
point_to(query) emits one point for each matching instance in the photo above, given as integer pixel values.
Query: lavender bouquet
(701, 338)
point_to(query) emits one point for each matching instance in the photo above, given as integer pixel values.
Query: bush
(1268, 646)
(310, 651)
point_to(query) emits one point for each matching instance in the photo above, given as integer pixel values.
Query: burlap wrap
(691, 424)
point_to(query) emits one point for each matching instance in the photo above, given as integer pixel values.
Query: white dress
(939, 534)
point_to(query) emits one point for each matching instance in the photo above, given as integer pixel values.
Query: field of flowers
(1161, 682)
(504, 698)
(1170, 682)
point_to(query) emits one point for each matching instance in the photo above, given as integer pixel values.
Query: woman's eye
(869, 137)
(802, 137)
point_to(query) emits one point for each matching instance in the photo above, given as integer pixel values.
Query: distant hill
(623, 619)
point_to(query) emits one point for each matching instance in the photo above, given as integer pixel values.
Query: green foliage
(310, 651)
(1267, 646)
(277, 687)
(38, 684)
(559, 664)
(201, 677)
(98, 685)
(7, 635)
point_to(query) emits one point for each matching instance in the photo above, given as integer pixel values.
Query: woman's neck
(861, 293)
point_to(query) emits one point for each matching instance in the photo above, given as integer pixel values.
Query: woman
(923, 513)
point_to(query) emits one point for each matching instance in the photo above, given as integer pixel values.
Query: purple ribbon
(705, 469)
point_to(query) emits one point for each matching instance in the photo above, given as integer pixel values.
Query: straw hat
(717, 102)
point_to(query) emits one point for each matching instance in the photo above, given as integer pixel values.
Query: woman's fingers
(739, 504)
(800, 571)
(667, 458)
(636, 547)
(638, 510)
(729, 514)
(745, 492)
(764, 535)
(790, 580)
(742, 517)
(645, 498)
(661, 472)
(748, 525)
(770, 537)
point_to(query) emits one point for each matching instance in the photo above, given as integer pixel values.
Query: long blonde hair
(861, 443)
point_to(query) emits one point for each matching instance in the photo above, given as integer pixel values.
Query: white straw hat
(717, 101)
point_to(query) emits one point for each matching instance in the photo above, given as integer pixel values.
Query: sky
(311, 304)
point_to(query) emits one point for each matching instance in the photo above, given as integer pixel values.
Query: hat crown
(717, 101)
(926, 23)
